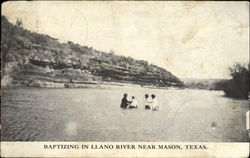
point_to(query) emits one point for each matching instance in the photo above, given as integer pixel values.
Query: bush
(238, 86)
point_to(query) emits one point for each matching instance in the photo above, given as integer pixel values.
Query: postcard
(125, 79)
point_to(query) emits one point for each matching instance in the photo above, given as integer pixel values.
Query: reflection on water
(95, 115)
(71, 128)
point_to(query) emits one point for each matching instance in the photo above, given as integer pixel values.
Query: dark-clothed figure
(124, 102)
(147, 101)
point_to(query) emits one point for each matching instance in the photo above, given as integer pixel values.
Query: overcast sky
(190, 39)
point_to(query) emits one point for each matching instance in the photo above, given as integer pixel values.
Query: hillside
(32, 59)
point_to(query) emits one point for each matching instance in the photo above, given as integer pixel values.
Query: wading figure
(124, 102)
(147, 102)
(134, 103)
(155, 105)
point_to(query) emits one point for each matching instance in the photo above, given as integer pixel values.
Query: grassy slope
(26, 53)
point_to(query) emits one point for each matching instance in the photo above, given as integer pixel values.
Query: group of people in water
(150, 103)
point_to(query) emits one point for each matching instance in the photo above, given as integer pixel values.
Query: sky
(192, 39)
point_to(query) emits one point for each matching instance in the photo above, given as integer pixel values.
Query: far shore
(82, 84)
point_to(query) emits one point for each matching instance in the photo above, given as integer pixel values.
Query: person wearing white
(154, 103)
(134, 103)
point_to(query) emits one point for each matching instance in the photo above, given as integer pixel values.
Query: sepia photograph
(125, 71)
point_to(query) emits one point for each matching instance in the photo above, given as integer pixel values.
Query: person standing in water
(124, 102)
(134, 103)
(155, 105)
(147, 101)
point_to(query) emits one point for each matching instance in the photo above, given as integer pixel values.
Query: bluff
(29, 58)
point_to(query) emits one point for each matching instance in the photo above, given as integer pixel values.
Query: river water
(30, 114)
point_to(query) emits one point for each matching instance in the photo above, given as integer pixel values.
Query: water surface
(30, 114)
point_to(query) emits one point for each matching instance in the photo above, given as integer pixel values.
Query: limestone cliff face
(29, 56)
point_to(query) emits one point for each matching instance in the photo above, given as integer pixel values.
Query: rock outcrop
(30, 58)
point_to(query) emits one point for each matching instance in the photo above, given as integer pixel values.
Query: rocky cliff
(30, 59)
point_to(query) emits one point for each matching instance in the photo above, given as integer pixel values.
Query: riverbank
(48, 82)
(37, 60)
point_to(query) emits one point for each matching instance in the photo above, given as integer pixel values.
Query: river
(33, 114)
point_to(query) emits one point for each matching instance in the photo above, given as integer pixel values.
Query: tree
(238, 86)
(19, 23)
